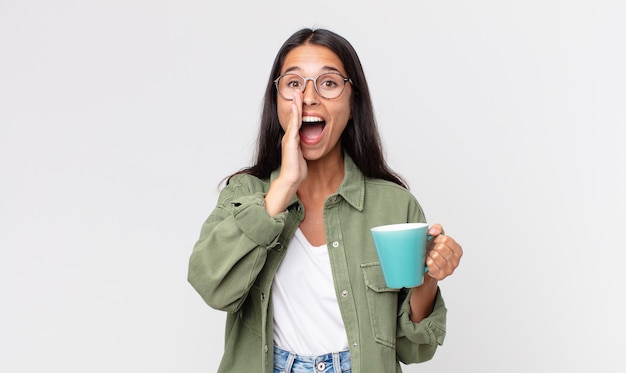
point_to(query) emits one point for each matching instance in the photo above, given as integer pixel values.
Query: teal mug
(401, 250)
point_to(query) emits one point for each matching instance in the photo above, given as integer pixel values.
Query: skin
(314, 170)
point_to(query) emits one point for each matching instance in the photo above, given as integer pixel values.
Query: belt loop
(337, 363)
(289, 362)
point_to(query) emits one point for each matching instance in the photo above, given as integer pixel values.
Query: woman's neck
(324, 176)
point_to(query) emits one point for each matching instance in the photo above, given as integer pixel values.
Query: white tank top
(307, 320)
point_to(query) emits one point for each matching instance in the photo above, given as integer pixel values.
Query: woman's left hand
(443, 253)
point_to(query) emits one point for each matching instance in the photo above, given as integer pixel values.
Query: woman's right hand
(293, 168)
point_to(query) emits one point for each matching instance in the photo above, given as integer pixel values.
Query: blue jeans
(287, 362)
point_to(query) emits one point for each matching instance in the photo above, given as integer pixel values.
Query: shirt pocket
(382, 302)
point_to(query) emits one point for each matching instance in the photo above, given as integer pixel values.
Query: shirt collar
(352, 187)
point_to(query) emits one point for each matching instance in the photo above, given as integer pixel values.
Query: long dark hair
(360, 139)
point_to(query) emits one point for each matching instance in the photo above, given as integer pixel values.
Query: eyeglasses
(328, 85)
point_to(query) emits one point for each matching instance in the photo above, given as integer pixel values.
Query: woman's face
(323, 120)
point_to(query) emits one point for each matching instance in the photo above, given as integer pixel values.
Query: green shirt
(232, 267)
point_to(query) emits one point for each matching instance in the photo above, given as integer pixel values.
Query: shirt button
(265, 348)
(344, 293)
(355, 345)
(262, 298)
(321, 366)
(335, 244)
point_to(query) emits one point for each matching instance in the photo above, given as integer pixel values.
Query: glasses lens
(288, 84)
(330, 85)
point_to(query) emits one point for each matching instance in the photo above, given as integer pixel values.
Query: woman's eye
(294, 84)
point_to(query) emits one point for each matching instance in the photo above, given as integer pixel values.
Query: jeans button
(321, 366)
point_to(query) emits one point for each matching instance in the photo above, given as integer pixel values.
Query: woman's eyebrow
(291, 69)
(330, 68)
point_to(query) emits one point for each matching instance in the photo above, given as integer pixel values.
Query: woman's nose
(309, 95)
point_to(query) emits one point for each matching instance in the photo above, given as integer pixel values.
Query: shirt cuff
(431, 330)
(254, 221)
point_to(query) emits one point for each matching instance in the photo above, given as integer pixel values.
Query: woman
(287, 251)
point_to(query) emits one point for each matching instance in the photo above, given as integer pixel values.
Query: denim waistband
(288, 362)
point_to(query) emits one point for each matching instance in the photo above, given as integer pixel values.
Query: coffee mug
(401, 250)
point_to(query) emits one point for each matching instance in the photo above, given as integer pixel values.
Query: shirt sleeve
(232, 247)
(418, 342)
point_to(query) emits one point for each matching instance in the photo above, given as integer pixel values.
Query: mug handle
(428, 238)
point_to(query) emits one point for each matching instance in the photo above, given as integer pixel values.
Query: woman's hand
(293, 168)
(443, 253)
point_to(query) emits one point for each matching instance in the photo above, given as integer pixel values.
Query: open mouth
(312, 127)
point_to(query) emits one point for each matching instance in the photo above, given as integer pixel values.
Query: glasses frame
(314, 80)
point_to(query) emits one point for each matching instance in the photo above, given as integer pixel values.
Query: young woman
(288, 253)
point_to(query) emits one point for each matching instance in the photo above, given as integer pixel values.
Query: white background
(119, 119)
